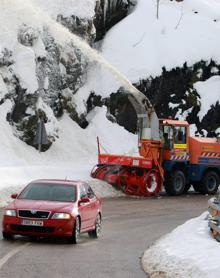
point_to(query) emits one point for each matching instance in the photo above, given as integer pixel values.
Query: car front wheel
(98, 224)
(74, 239)
(7, 236)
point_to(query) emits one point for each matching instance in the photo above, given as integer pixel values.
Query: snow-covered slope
(72, 156)
(141, 45)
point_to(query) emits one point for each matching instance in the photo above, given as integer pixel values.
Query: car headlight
(61, 215)
(10, 212)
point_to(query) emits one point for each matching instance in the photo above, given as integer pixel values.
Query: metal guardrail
(214, 218)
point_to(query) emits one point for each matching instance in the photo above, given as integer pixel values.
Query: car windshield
(49, 192)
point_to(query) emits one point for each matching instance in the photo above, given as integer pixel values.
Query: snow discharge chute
(148, 122)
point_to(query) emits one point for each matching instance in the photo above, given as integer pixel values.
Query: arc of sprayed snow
(144, 109)
(62, 36)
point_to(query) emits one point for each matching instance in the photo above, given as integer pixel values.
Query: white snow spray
(62, 36)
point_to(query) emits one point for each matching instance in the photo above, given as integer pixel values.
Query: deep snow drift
(188, 251)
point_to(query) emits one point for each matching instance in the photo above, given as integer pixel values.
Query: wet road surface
(130, 225)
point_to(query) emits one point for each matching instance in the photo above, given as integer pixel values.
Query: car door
(84, 209)
(93, 204)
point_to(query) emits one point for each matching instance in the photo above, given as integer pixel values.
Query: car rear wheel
(98, 224)
(74, 239)
(7, 236)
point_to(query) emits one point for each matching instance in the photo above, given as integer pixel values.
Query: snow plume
(32, 15)
(26, 24)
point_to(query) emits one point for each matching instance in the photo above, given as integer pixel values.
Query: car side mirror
(14, 195)
(84, 200)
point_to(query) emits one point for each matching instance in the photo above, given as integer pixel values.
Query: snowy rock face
(170, 52)
(175, 93)
(189, 93)
(43, 75)
(37, 67)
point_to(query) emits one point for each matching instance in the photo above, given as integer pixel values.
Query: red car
(53, 208)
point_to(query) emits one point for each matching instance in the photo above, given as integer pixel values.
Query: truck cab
(188, 160)
(175, 138)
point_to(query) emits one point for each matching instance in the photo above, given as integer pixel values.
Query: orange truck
(168, 156)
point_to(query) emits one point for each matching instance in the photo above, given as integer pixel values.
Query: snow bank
(188, 251)
(72, 156)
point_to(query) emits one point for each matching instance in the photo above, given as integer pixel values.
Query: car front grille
(38, 214)
(38, 229)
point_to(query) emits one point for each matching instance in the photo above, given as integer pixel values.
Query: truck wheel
(175, 183)
(210, 183)
(152, 183)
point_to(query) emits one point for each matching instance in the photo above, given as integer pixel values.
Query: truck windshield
(180, 134)
(49, 192)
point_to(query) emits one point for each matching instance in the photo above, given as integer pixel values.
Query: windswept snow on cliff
(188, 251)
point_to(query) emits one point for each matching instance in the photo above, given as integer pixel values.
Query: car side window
(90, 192)
(82, 191)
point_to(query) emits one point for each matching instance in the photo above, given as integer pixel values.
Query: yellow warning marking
(180, 146)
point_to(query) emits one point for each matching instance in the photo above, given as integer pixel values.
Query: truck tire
(175, 183)
(210, 183)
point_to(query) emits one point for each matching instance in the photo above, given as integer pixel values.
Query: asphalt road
(130, 225)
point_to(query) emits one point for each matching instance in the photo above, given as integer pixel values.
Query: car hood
(42, 205)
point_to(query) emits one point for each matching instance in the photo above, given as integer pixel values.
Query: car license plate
(32, 223)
